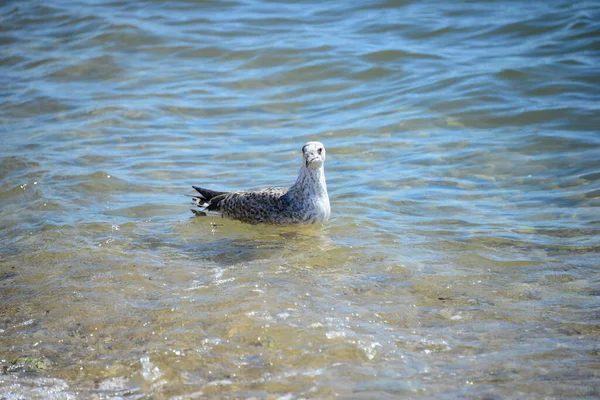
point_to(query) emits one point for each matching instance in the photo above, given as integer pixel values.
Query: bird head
(314, 154)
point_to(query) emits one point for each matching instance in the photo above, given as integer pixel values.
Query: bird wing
(252, 206)
(207, 194)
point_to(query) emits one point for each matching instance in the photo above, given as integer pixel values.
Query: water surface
(461, 260)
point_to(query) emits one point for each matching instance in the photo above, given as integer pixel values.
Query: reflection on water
(461, 257)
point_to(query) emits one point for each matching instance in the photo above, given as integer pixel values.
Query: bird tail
(203, 200)
(207, 194)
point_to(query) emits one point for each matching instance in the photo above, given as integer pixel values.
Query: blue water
(462, 255)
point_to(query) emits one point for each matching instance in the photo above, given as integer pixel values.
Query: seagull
(305, 202)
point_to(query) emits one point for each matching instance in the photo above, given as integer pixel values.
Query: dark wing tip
(207, 193)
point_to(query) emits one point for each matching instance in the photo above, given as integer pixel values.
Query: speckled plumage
(305, 202)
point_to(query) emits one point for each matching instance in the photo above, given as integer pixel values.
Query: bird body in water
(305, 202)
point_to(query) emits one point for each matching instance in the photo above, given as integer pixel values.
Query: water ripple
(462, 168)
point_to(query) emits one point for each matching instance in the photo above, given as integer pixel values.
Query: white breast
(323, 208)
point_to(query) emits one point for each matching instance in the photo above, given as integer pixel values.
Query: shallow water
(461, 260)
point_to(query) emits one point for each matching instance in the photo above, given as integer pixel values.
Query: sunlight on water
(461, 257)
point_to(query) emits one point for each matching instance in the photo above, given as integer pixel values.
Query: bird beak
(310, 159)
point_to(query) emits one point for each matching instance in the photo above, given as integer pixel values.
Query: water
(461, 260)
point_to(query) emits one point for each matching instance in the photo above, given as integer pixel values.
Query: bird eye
(320, 151)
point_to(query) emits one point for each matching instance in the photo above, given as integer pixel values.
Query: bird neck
(313, 178)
